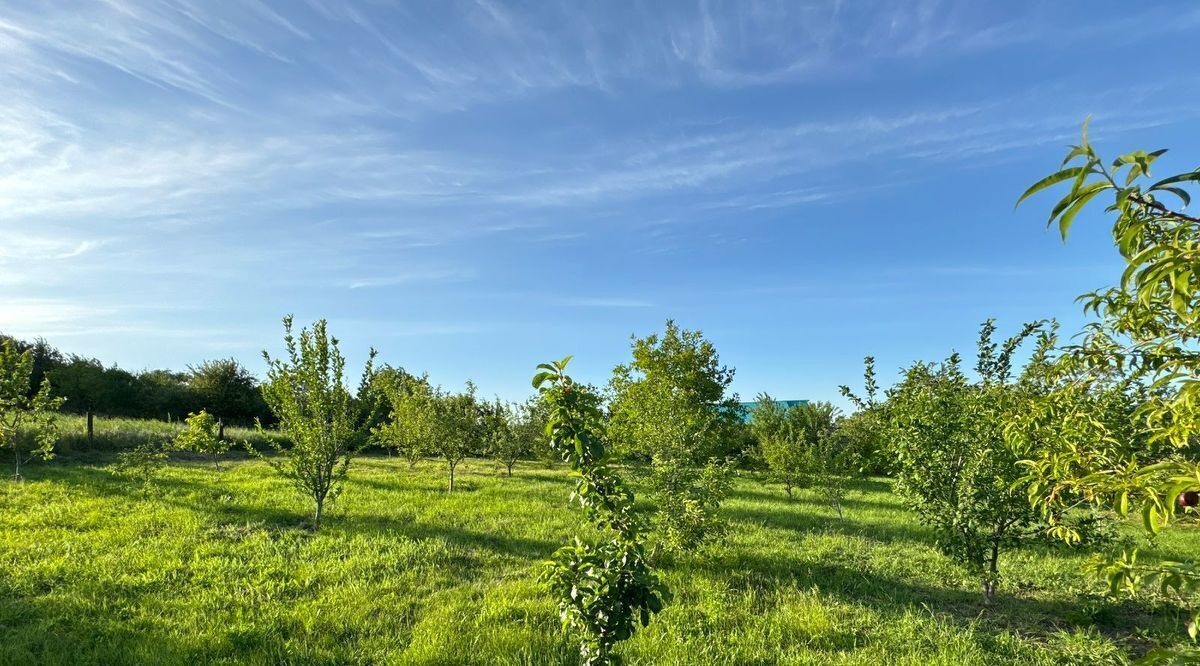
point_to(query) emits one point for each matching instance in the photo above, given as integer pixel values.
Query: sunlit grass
(219, 567)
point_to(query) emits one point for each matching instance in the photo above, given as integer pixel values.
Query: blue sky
(475, 187)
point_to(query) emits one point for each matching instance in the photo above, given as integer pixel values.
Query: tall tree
(226, 390)
(306, 390)
(669, 405)
(26, 421)
(88, 387)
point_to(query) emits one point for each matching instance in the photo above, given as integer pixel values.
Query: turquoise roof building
(748, 407)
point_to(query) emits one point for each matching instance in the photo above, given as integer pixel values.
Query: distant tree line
(222, 387)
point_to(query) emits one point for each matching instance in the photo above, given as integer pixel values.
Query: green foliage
(424, 421)
(227, 390)
(953, 465)
(607, 587)
(409, 428)
(457, 427)
(142, 464)
(789, 438)
(90, 387)
(1144, 336)
(202, 434)
(669, 406)
(306, 390)
(862, 434)
(511, 431)
(26, 410)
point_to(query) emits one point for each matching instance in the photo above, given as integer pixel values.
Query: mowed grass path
(218, 567)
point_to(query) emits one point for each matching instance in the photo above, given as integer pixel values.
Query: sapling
(607, 587)
(306, 391)
(203, 434)
(26, 419)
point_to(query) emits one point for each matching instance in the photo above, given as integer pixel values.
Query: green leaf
(1192, 176)
(1179, 192)
(1052, 179)
(1064, 223)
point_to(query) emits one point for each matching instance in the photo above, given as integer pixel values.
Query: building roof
(748, 407)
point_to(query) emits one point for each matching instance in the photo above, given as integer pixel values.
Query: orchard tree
(26, 419)
(669, 405)
(799, 447)
(953, 466)
(410, 427)
(457, 427)
(202, 434)
(508, 433)
(381, 395)
(861, 434)
(608, 586)
(1145, 330)
(307, 392)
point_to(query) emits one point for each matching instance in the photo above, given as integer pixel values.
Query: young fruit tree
(507, 432)
(794, 442)
(26, 411)
(380, 397)
(1144, 333)
(862, 433)
(457, 428)
(142, 464)
(606, 587)
(409, 427)
(306, 390)
(203, 434)
(953, 467)
(669, 406)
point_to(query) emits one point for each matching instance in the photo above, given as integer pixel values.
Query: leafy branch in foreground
(604, 588)
(24, 417)
(1144, 340)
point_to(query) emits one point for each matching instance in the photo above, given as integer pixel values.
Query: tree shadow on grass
(795, 518)
(1122, 620)
(67, 629)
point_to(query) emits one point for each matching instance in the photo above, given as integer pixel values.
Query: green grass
(112, 434)
(218, 567)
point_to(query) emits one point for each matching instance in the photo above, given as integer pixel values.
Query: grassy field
(218, 567)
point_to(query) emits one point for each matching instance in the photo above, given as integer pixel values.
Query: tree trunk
(320, 511)
(220, 431)
(837, 504)
(90, 426)
(788, 488)
(452, 477)
(510, 466)
(17, 459)
(992, 581)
